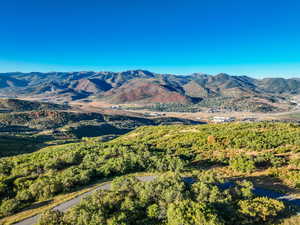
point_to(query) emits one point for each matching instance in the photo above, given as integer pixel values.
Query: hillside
(146, 92)
(144, 87)
(28, 131)
(260, 154)
(16, 105)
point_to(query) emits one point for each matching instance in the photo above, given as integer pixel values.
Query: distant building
(154, 114)
(116, 107)
(221, 119)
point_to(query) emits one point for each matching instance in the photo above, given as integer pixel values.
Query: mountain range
(140, 86)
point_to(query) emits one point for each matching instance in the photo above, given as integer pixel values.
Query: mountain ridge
(142, 86)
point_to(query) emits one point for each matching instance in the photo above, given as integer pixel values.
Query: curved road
(68, 204)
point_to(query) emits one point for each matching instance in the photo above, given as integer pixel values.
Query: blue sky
(249, 37)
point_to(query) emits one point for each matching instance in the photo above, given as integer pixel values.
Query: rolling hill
(17, 105)
(27, 131)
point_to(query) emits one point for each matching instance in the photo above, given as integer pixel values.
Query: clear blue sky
(252, 37)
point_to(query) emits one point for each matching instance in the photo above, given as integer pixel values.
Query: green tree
(241, 163)
(259, 209)
(191, 213)
(51, 217)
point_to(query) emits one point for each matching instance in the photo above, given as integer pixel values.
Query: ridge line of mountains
(140, 86)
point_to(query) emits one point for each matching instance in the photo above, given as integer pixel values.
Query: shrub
(295, 163)
(278, 161)
(51, 217)
(9, 207)
(244, 164)
(191, 213)
(259, 209)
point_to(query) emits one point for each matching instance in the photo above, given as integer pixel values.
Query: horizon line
(159, 73)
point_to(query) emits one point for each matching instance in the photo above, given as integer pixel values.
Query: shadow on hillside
(207, 164)
(272, 183)
(288, 217)
(11, 145)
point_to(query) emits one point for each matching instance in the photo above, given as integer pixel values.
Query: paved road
(68, 204)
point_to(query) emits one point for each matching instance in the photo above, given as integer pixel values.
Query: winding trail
(68, 204)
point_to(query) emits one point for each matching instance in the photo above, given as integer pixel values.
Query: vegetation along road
(68, 204)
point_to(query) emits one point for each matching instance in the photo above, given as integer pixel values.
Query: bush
(167, 163)
(259, 209)
(244, 164)
(191, 213)
(9, 207)
(5, 167)
(278, 161)
(51, 217)
(295, 163)
(25, 196)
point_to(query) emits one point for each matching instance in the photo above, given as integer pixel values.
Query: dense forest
(231, 151)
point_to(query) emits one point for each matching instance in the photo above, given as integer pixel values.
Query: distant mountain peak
(128, 86)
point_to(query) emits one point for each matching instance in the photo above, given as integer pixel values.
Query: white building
(116, 107)
(221, 119)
